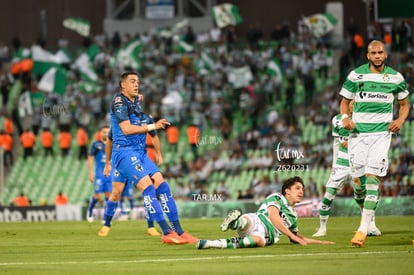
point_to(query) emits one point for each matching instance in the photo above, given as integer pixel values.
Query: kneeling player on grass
(275, 216)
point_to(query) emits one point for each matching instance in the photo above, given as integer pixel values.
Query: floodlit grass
(75, 248)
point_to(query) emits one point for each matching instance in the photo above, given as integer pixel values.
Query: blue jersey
(129, 157)
(123, 109)
(97, 150)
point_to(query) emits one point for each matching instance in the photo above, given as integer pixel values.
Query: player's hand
(160, 124)
(91, 177)
(348, 124)
(298, 240)
(107, 170)
(395, 126)
(158, 159)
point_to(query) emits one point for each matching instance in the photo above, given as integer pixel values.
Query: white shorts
(256, 228)
(339, 176)
(369, 154)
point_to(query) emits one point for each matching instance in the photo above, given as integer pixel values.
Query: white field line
(200, 258)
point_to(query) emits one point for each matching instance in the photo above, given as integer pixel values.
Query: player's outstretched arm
(129, 129)
(278, 223)
(314, 241)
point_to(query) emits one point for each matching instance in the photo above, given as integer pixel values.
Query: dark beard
(376, 66)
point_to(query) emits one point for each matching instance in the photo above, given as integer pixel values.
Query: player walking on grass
(374, 87)
(340, 175)
(127, 192)
(130, 162)
(102, 183)
(275, 216)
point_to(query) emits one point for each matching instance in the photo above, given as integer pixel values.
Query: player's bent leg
(154, 210)
(230, 220)
(169, 207)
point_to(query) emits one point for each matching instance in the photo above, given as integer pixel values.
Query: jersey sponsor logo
(366, 95)
(379, 96)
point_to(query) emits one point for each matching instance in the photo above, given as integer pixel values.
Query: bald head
(376, 56)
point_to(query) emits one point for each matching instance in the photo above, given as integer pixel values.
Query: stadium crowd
(182, 86)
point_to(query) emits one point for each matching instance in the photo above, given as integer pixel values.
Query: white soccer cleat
(230, 219)
(373, 230)
(89, 217)
(320, 233)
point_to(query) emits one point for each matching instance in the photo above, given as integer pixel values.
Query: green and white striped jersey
(286, 212)
(340, 134)
(374, 95)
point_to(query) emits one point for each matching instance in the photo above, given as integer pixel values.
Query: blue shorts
(102, 184)
(132, 166)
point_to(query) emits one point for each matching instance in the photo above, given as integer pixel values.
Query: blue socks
(153, 209)
(110, 209)
(92, 205)
(122, 206)
(150, 222)
(169, 207)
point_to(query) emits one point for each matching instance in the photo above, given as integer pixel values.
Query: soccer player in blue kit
(102, 183)
(130, 162)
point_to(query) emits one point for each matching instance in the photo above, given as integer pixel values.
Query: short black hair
(290, 182)
(125, 75)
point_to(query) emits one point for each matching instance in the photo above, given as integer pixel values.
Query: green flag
(274, 69)
(89, 87)
(78, 25)
(182, 46)
(43, 60)
(54, 80)
(226, 14)
(128, 56)
(240, 77)
(320, 24)
(84, 63)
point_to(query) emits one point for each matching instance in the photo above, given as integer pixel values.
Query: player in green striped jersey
(275, 216)
(340, 175)
(374, 87)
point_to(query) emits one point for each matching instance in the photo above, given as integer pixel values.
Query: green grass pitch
(75, 248)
